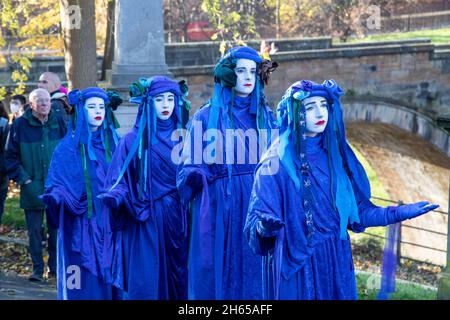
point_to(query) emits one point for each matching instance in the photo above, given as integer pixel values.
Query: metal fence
(400, 241)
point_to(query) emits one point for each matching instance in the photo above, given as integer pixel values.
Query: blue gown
(150, 232)
(221, 263)
(297, 267)
(83, 241)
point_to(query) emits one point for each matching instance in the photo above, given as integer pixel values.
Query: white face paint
(316, 115)
(246, 77)
(164, 105)
(95, 107)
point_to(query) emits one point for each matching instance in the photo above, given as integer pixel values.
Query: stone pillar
(139, 41)
(138, 51)
(444, 276)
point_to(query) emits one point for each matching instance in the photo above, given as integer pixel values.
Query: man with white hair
(51, 82)
(31, 142)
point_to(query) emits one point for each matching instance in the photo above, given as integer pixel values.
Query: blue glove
(268, 226)
(409, 211)
(373, 216)
(110, 200)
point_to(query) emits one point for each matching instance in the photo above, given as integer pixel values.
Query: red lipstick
(248, 85)
(98, 118)
(165, 113)
(319, 123)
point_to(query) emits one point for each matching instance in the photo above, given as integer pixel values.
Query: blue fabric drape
(76, 176)
(150, 225)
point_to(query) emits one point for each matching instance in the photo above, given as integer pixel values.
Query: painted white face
(95, 107)
(246, 77)
(316, 115)
(164, 105)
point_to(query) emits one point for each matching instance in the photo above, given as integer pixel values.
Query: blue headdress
(78, 124)
(81, 133)
(143, 92)
(225, 81)
(346, 171)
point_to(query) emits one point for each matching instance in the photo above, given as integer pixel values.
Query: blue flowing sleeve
(64, 186)
(193, 174)
(370, 215)
(120, 192)
(266, 205)
(57, 198)
(126, 191)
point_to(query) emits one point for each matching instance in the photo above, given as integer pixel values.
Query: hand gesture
(413, 210)
(110, 200)
(269, 225)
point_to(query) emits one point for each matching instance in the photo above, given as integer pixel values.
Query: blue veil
(223, 96)
(143, 92)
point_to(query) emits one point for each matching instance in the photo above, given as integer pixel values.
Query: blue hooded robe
(319, 190)
(76, 176)
(150, 227)
(221, 263)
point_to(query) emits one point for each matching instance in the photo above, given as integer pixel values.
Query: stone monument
(138, 51)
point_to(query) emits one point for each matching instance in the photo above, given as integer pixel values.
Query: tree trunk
(108, 55)
(78, 29)
(277, 15)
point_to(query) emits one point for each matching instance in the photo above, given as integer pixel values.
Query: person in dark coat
(32, 140)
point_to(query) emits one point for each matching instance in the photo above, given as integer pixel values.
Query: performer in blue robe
(299, 214)
(76, 176)
(219, 180)
(150, 227)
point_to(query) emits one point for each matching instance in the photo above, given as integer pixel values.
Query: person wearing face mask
(221, 264)
(32, 140)
(298, 216)
(76, 176)
(18, 106)
(150, 241)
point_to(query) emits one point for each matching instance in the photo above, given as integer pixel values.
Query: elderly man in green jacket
(32, 139)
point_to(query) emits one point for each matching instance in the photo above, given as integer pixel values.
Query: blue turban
(242, 52)
(292, 122)
(79, 120)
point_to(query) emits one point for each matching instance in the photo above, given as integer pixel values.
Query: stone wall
(207, 53)
(177, 55)
(414, 73)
